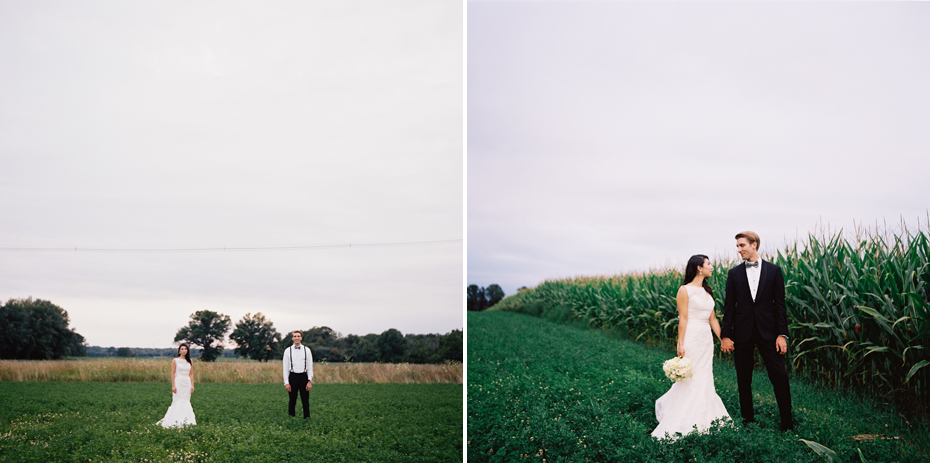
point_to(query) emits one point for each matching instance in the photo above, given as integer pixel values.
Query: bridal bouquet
(677, 368)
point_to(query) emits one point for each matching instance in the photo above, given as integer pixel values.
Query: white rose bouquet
(677, 368)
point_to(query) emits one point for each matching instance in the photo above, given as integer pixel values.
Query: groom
(298, 374)
(754, 316)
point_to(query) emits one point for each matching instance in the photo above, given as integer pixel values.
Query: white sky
(213, 123)
(609, 137)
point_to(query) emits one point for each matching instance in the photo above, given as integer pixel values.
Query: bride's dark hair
(187, 356)
(694, 262)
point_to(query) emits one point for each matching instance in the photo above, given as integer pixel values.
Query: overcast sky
(207, 124)
(611, 137)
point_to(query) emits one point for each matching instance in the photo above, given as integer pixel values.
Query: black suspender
(292, 360)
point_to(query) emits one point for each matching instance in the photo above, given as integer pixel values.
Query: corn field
(858, 308)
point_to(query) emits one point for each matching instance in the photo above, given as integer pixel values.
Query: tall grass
(137, 370)
(858, 307)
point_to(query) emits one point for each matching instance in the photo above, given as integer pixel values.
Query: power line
(232, 248)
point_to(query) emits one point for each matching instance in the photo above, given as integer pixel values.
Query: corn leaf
(914, 369)
(819, 449)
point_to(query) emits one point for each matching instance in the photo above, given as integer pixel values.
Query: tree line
(482, 298)
(35, 329)
(256, 338)
(100, 351)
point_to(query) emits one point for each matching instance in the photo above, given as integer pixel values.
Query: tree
(326, 354)
(348, 345)
(36, 330)
(421, 352)
(256, 338)
(125, 352)
(207, 330)
(365, 349)
(422, 348)
(450, 346)
(392, 347)
(495, 293)
(322, 336)
(78, 347)
(481, 298)
(477, 298)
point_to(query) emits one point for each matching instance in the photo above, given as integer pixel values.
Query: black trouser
(298, 382)
(744, 358)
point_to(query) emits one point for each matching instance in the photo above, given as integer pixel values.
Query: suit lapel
(762, 273)
(744, 280)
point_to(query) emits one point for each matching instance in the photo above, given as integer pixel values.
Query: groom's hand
(726, 345)
(288, 387)
(781, 345)
(309, 385)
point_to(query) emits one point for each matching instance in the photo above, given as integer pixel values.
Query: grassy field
(111, 369)
(543, 391)
(96, 421)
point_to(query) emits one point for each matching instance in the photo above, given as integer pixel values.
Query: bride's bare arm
(714, 324)
(191, 373)
(682, 299)
(173, 366)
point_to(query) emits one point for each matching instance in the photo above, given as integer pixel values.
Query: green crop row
(858, 310)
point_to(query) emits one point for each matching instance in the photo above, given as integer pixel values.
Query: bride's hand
(174, 389)
(726, 345)
(681, 352)
(192, 389)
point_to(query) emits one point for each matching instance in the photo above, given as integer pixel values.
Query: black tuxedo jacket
(767, 313)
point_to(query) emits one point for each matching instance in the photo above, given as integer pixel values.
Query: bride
(693, 401)
(182, 386)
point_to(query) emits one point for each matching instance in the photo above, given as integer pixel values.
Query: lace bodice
(181, 367)
(700, 305)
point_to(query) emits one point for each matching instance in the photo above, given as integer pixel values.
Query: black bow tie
(297, 347)
(752, 264)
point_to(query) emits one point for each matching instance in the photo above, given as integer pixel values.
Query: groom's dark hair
(750, 236)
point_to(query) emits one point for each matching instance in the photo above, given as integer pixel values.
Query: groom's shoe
(789, 426)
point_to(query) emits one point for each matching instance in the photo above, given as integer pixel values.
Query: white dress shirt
(753, 273)
(298, 359)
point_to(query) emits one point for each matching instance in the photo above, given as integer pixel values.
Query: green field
(89, 421)
(542, 391)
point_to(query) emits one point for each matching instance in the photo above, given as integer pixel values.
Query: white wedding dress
(180, 413)
(693, 401)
